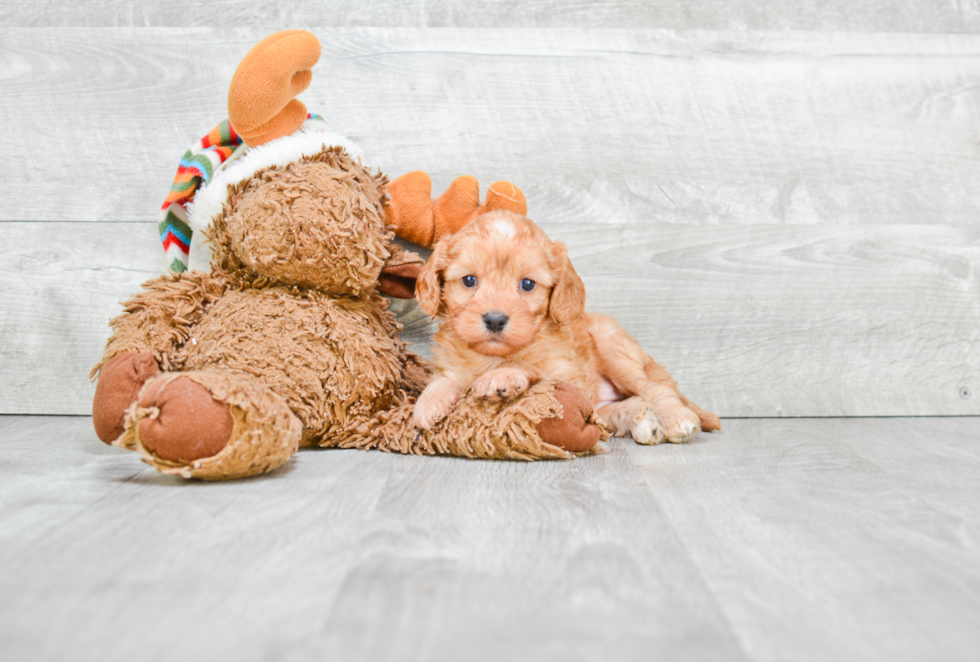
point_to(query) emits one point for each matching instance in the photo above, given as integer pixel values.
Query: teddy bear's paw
(120, 380)
(645, 428)
(187, 423)
(679, 424)
(435, 403)
(573, 429)
(501, 384)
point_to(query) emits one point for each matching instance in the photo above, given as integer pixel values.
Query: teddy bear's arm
(159, 319)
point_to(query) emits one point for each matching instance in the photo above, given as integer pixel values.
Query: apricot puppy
(512, 311)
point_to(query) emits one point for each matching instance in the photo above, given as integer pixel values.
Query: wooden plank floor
(795, 539)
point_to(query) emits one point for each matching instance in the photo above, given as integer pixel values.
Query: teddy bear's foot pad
(120, 380)
(211, 425)
(574, 430)
(189, 424)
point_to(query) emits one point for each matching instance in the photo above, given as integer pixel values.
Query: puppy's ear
(567, 302)
(428, 285)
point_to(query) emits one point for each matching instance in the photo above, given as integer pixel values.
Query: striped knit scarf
(196, 168)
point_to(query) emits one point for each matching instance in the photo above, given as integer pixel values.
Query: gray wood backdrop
(778, 200)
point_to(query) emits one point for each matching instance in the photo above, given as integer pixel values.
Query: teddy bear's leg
(212, 425)
(120, 380)
(189, 423)
(548, 421)
(152, 327)
(574, 429)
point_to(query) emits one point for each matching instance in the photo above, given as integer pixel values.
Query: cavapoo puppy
(512, 311)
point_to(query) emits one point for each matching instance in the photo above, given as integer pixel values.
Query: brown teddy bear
(287, 341)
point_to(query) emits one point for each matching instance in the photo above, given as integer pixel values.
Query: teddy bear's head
(292, 205)
(317, 222)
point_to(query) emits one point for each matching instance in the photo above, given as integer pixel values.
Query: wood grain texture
(833, 539)
(773, 540)
(785, 220)
(751, 320)
(341, 555)
(624, 126)
(835, 15)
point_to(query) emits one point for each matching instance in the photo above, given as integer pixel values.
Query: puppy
(512, 311)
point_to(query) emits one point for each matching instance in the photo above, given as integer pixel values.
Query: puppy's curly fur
(512, 311)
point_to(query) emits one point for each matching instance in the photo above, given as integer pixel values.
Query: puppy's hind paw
(680, 425)
(646, 429)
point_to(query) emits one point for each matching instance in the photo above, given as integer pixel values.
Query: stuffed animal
(286, 342)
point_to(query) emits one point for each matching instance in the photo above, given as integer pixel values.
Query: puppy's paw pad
(646, 429)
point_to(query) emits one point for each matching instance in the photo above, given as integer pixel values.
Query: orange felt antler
(415, 216)
(261, 106)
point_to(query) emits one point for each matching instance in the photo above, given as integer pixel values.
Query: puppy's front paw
(646, 429)
(432, 406)
(501, 384)
(680, 424)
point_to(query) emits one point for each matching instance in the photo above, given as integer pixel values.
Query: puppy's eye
(527, 284)
(469, 281)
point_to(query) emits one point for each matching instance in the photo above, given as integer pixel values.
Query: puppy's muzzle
(495, 322)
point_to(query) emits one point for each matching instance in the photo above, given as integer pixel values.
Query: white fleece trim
(210, 200)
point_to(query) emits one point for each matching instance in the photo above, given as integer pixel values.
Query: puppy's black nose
(495, 321)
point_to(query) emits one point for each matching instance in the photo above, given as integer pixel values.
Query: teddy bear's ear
(399, 274)
(261, 103)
